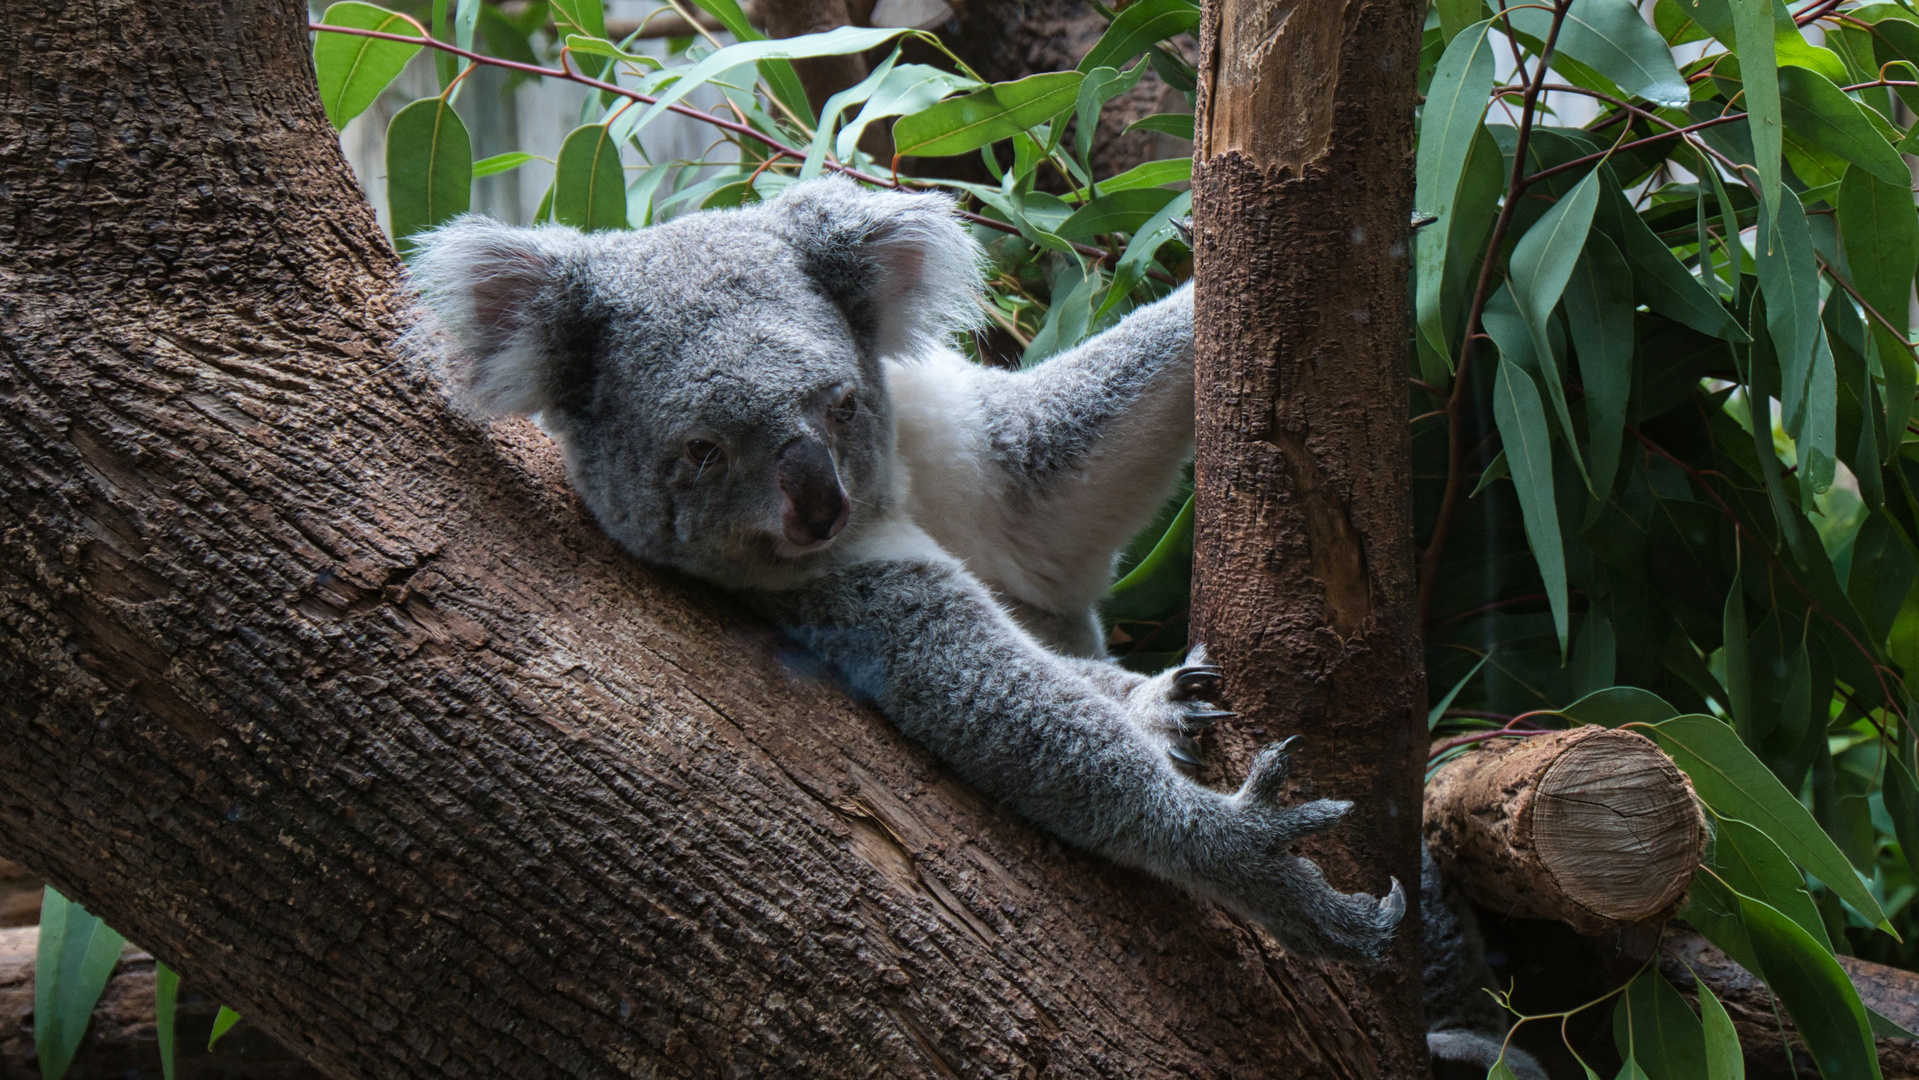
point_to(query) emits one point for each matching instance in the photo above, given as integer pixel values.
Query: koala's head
(714, 382)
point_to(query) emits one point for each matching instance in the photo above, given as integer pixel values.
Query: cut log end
(1594, 827)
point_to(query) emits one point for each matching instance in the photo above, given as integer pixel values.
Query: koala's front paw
(1173, 708)
(1291, 896)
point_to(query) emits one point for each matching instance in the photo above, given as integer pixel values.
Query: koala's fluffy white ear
(902, 266)
(498, 292)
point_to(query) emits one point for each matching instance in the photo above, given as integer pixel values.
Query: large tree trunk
(1303, 571)
(342, 707)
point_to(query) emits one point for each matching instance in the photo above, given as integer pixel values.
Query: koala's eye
(704, 454)
(848, 408)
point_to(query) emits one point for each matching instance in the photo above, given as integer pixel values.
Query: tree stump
(1593, 827)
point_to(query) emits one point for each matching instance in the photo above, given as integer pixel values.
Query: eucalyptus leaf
(589, 185)
(429, 169)
(1814, 989)
(1821, 113)
(1612, 38)
(352, 70)
(1542, 263)
(1730, 780)
(1522, 426)
(1789, 278)
(1724, 1061)
(1137, 28)
(1179, 125)
(1448, 123)
(1000, 111)
(1600, 319)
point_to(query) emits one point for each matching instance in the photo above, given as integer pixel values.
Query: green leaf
(1542, 263)
(223, 1022)
(1759, 75)
(1175, 543)
(500, 163)
(353, 70)
(1448, 122)
(829, 117)
(1880, 232)
(997, 112)
(1902, 806)
(1140, 252)
(589, 187)
(840, 42)
(586, 17)
(1730, 780)
(907, 89)
(1885, 1027)
(429, 169)
(1455, 16)
(1495, 469)
(1723, 1058)
(1661, 281)
(1754, 866)
(1102, 85)
(166, 999)
(1613, 39)
(72, 963)
(1116, 212)
(1143, 24)
(1522, 426)
(1438, 712)
(1822, 114)
(1818, 435)
(1179, 125)
(1599, 317)
(1812, 986)
(1151, 174)
(779, 74)
(1617, 706)
(1789, 278)
(1653, 1026)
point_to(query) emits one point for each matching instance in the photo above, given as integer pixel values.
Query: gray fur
(985, 506)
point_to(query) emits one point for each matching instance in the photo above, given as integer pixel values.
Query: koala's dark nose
(814, 508)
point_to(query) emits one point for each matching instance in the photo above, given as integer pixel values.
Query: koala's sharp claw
(1393, 908)
(1203, 719)
(1194, 682)
(1183, 755)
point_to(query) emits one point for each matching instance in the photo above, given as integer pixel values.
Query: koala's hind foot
(1249, 866)
(1174, 708)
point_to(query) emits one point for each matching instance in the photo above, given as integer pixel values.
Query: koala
(767, 398)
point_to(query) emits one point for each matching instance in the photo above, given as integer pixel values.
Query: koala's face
(715, 382)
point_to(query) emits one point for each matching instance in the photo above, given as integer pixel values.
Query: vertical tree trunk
(1304, 564)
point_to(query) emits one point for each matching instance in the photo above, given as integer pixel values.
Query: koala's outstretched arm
(1091, 440)
(946, 664)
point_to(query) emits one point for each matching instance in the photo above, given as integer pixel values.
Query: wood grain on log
(1685, 955)
(343, 707)
(1594, 827)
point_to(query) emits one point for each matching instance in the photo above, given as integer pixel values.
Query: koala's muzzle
(814, 508)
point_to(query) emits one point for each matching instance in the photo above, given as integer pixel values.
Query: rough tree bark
(1303, 573)
(343, 708)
